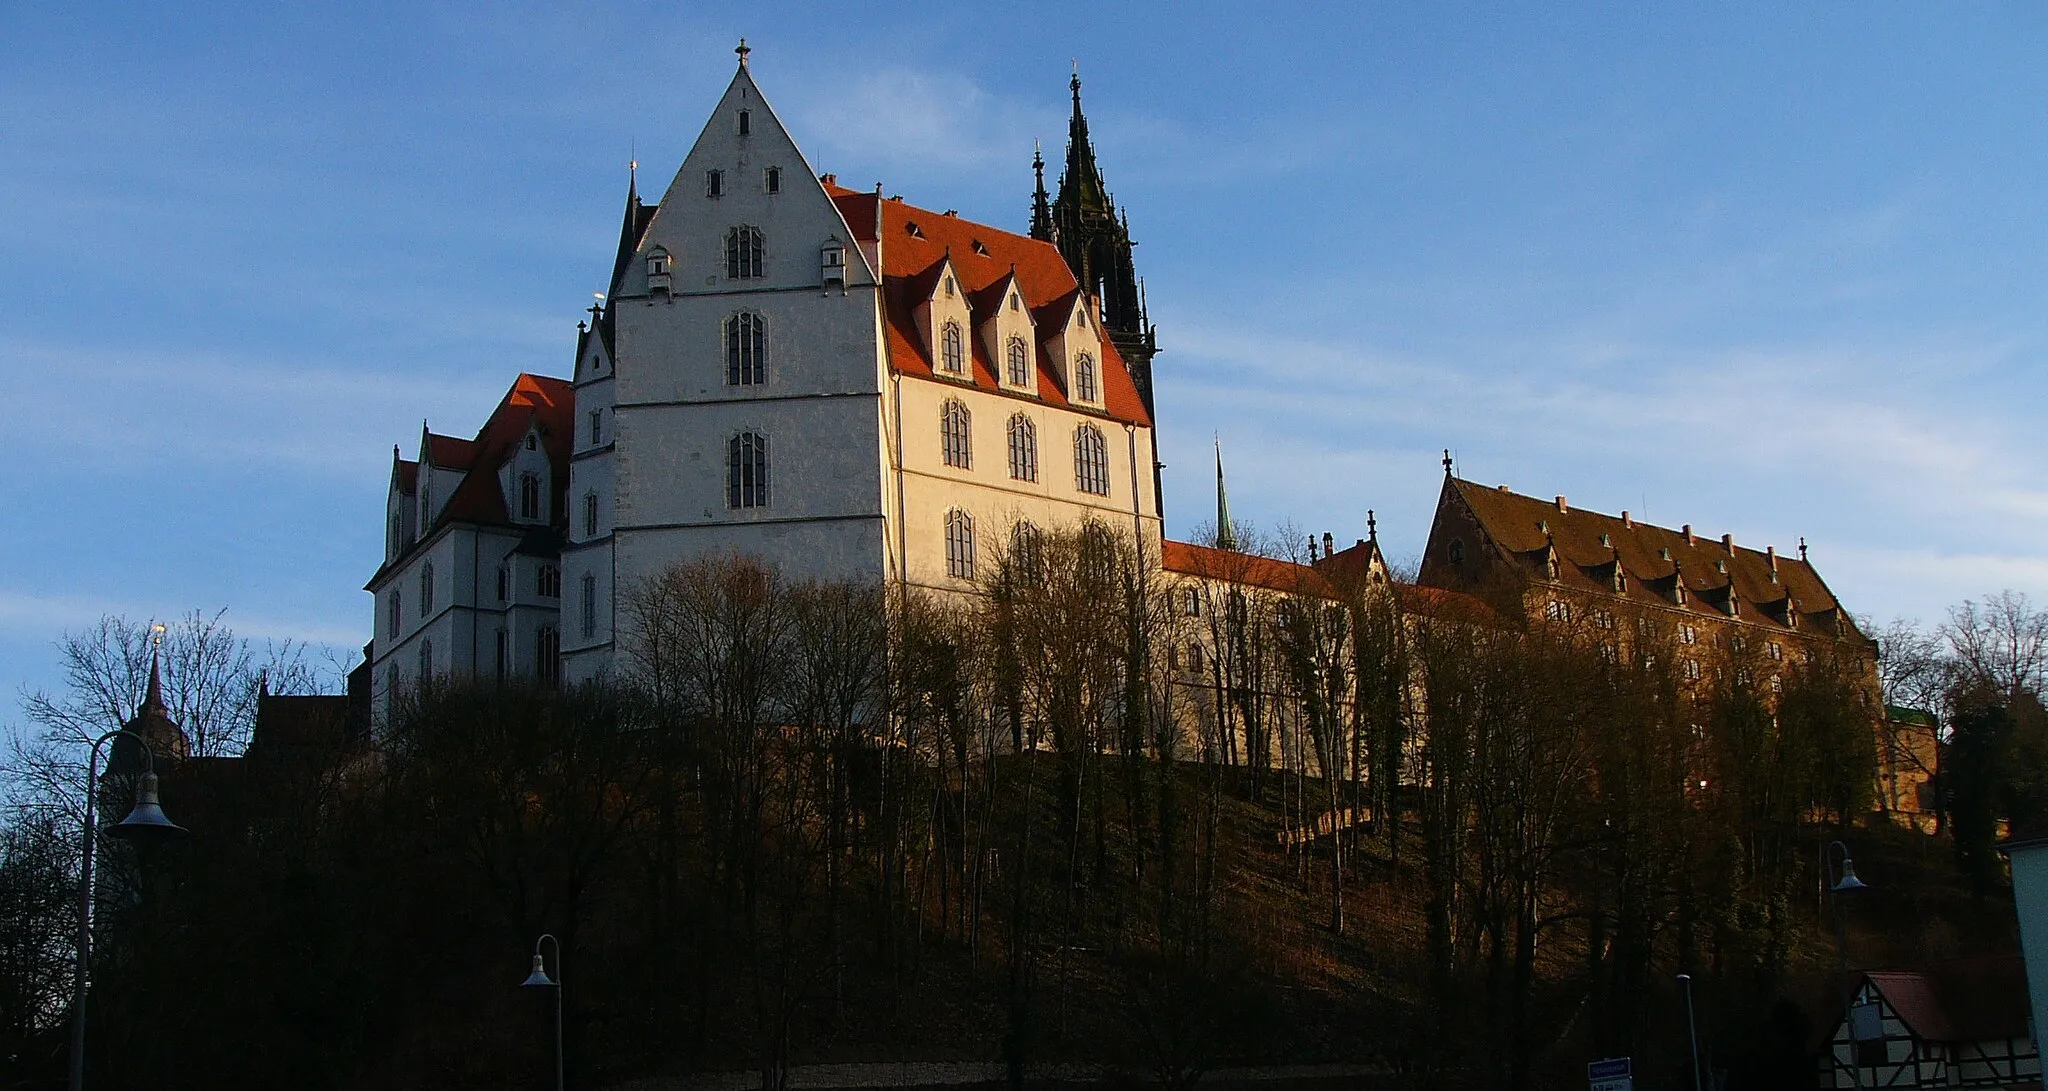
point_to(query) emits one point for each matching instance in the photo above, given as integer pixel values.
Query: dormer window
(950, 286)
(746, 121)
(529, 496)
(910, 228)
(1019, 362)
(531, 441)
(658, 269)
(980, 248)
(1081, 318)
(1457, 551)
(1084, 378)
(714, 183)
(952, 348)
(771, 180)
(832, 263)
(1016, 302)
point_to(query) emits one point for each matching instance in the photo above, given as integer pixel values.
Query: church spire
(1041, 201)
(1226, 536)
(629, 231)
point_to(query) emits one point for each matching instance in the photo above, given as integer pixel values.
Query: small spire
(1041, 201)
(742, 50)
(1802, 549)
(1447, 462)
(154, 699)
(1226, 535)
(1372, 527)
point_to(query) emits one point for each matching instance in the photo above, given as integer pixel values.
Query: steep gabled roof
(533, 399)
(1960, 1000)
(982, 256)
(1320, 580)
(1588, 543)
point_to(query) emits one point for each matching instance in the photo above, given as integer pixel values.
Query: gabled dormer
(401, 512)
(593, 348)
(1073, 347)
(944, 320)
(443, 462)
(1008, 333)
(527, 478)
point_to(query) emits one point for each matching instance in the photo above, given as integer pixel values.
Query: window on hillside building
(397, 530)
(427, 589)
(746, 349)
(1194, 658)
(1687, 634)
(391, 691)
(394, 614)
(1775, 650)
(1777, 684)
(532, 442)
(547, 582)
(771, 180)
(1558, 610)
(596, 427)
(426, 664)
(1604, 619)
(1016, 302)
(746, 123)
(743, 252)
(1457, 551)
(1866, 1030)
(1091, 460)
(1023, 449)
(1019, 362)
(590, 515)
(547, 655)
(589, 606)
(746, 471)
(504, 583)
(1027, 548)
(1609, 654)
(954, 435)
(1085, 386)
(959, 545)
(1191, 601)
(714, 183)
(952, 349)
(1692, 670)
(529, 496)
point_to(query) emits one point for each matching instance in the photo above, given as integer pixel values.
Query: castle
(847, 385)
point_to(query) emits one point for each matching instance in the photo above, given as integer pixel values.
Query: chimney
(1728, 543)
(1311, 547)
(1687, 531)
(1561, 506)
(1503, 486)
(1626, 521)
(829, 179)
(1771, 553)
(1328, 545)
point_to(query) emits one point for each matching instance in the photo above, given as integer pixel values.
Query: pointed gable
(913, 240)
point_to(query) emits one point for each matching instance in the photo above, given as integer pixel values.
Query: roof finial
(1447, 462)
(155, 697)
(1372, 527)
(1802, 549)
(1076, 82)
(742, 50)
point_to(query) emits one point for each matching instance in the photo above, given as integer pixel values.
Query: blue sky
(1774, 270)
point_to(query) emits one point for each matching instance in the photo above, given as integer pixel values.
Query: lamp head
(539, 978)
(1848, 881)
(146, 825)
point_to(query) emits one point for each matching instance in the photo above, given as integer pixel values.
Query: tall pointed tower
(1096, 241)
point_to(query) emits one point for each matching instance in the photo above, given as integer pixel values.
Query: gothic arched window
(590, 515)
(1027, 548)
(1085, 387)
(743, 252)
(1023, 449)
(427, 589)
(952, 348)
(959, 545)
(1020, 362)
(746, 349)
(547, 655)
(1091, 460)
(547, 582)
(746, 471)
(955, 435)
(589, 605)
(529, 496)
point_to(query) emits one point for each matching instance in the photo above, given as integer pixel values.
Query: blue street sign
(1612, 1068)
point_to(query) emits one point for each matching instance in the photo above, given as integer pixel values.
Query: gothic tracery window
(746, 349)
(952, 349)
(743, 252)
(1091, 460)
(746, 471)
(1019, 362)
(959, 545)
(1023, 449)
(1086, 388)
(955, 435)
(529, 496)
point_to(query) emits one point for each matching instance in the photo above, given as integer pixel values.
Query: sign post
(1612, 1074)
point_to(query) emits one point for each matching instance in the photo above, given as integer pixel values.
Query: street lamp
(1692, 1031)
(539, 979)
(1840, 881)
(144, 827)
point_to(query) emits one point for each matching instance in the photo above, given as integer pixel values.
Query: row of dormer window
(746, 250)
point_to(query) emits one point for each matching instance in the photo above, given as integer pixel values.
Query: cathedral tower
(1083, 221)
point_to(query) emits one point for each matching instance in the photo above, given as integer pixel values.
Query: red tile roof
(909, 269)
(1961, 1000)
(1324, 580)
(552, 402)
(450, 453)
(1523, 525)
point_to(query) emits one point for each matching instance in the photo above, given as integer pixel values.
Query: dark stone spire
(1041, 201)
(1096, 241)
(629, 231)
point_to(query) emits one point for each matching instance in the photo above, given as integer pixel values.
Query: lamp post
(1692, 1031)
(145, 825)
(1840, 881)
(539, 979)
